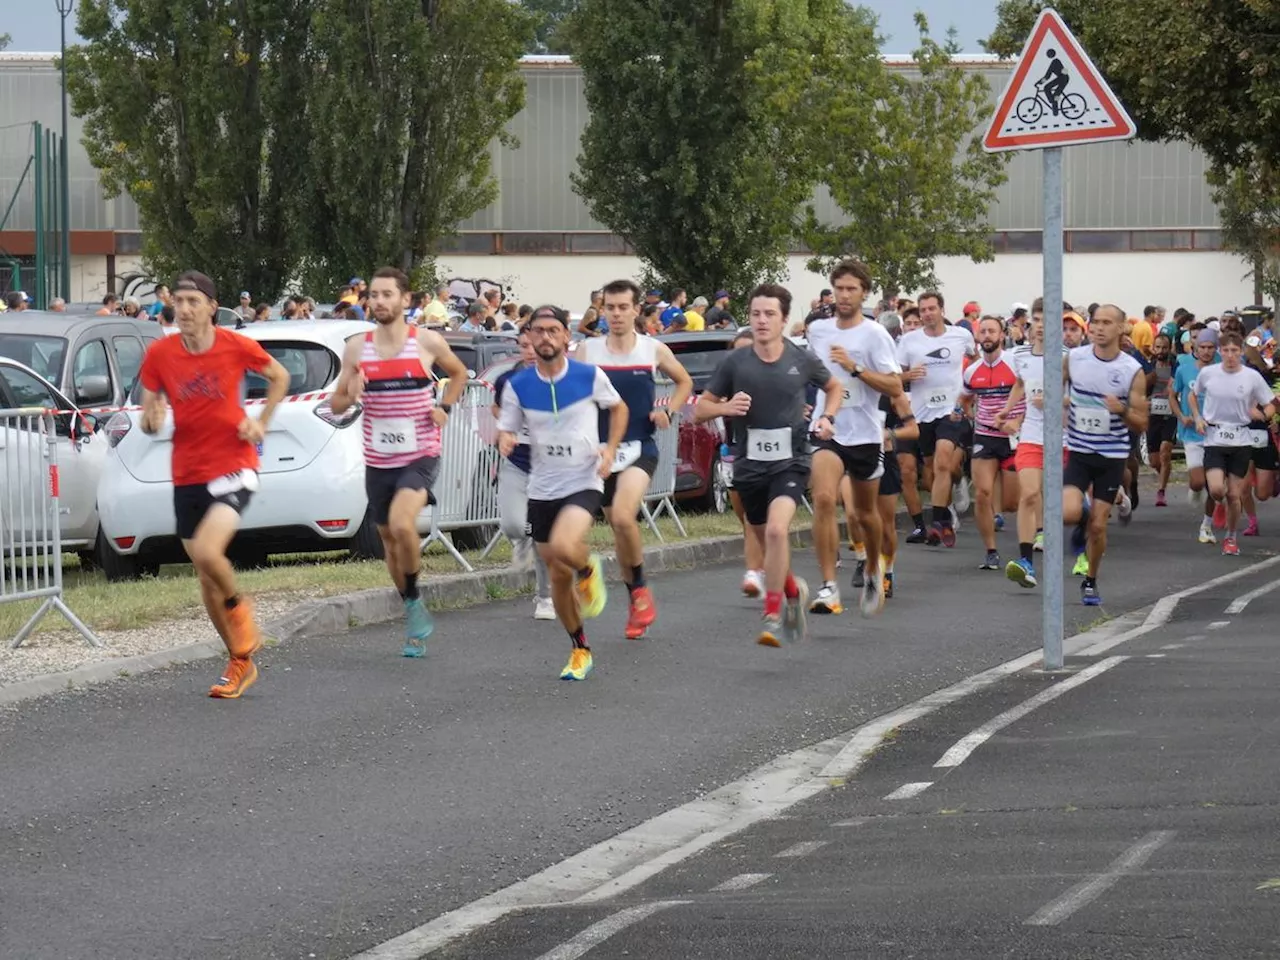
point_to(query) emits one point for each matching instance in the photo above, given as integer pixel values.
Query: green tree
(189, 111)
(1248, 199)
(5, 40)
(907, 171)
(551, 14)
(1206, 73)
(698, 147)
(404, 100)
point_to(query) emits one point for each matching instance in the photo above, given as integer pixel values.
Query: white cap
(1019, 306)
(1215, 325)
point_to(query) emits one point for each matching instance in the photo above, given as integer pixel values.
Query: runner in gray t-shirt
(764, 387)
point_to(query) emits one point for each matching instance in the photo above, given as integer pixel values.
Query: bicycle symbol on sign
(1050, 95)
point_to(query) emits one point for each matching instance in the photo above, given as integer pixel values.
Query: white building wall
(1204, 282)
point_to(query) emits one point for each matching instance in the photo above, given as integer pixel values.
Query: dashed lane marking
(611, 925)
(801, 849)
(1089, 890)
(909, 790)
(970, 742)
(741, 882)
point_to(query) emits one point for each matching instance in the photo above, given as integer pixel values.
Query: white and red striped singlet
(398, 401)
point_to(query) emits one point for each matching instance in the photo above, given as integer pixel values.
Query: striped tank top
(398, 400)
(1091, 426)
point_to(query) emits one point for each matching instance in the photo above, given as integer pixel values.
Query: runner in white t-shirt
(932, 360)
(1224, 399)
(860, 355)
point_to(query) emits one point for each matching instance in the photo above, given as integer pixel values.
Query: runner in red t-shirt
(215, 458)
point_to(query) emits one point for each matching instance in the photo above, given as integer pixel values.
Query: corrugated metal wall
(1109, 186)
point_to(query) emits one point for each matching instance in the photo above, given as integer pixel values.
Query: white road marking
(741, 882)
(1219, 624)
(1165, 606)
(633, 856)
(1089, 890)
(960, 751)
(1239, 603)
(598, 933)
(855, 822)
(1155, 656)
(909, 790)
(1173, 646)
(802, 849)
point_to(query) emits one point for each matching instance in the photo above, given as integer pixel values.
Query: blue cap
(244, 295)
(655, 293)
(354, 280)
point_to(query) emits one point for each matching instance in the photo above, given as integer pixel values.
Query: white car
(312, 493)
(82, 452)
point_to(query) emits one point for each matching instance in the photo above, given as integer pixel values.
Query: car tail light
(117, 427)
(332, 524)
(339, 420)
(124, 543)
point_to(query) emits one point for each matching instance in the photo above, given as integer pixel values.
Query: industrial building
(1141, 224)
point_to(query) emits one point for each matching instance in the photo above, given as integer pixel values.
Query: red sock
(790, 588)
(773, 604)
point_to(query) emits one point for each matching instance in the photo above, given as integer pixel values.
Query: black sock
(942, 516)
(918, 520)
(231, 602)
(579, 638)
(637, 576)
(410, 591)
(1026, 551)
(1089, 582)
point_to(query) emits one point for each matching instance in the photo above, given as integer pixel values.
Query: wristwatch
(857, 370)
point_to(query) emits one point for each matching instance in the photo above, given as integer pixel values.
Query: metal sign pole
(1053, 410)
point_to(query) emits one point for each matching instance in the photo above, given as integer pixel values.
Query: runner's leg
(984, 481)
(629, 490)
(566, 554)
(866, 496)
(911, 489)
(232, 615)
(825, 476)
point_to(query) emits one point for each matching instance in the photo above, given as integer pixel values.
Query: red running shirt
(204, 392)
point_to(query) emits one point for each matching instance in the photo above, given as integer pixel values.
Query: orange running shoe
(235, 680)
(643, 612)
(245, 639)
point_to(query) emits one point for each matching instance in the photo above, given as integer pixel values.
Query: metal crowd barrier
(466, 491)
(662, 487)
(30, 532)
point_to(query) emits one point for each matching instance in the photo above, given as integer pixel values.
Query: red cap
(972, 307)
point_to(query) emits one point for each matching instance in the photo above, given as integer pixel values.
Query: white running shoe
(544, 609)
(1206, 533)
(955, 519)
(1124, 509)
(960, 495)
(871, 602)
(827, 600)
(753, 583)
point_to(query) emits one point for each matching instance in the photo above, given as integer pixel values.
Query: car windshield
(700, 358)
(42, 354)
(464, 352)
(311, 367)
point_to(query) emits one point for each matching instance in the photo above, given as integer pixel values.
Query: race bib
(942, 398)
(1094, 421)
(1035, 390)
(628, 454)
(1227, 436)
(850, 395)
(1160, 407)
(394, 435)
(769, 445)
(558, 451)
(1260, 438)
(238, 482)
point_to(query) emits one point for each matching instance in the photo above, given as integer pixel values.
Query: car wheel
(118, 568)
(716, 497)
(366, 544)
(88, 560)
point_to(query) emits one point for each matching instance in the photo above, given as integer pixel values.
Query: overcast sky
(34, 25)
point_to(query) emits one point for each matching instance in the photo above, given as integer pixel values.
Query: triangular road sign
(1056, 97)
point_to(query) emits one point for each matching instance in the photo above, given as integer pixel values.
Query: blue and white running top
(1091, 427)
(561, 415)
(632, 375)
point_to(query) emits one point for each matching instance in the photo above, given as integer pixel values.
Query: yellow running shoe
(1081, 569)
(579, 665)
(591, 589)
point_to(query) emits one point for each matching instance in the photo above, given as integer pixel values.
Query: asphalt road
(1132, 817)
(354, 795)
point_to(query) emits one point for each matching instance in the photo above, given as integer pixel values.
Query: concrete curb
(338, 614)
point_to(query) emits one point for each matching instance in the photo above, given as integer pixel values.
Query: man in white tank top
(402, 431)
(1107, 399)
(629, 361)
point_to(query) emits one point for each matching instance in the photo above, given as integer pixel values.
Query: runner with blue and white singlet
(1106, 399)
(557, 401)
(631, 362)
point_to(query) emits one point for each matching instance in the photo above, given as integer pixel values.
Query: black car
(700, 352)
